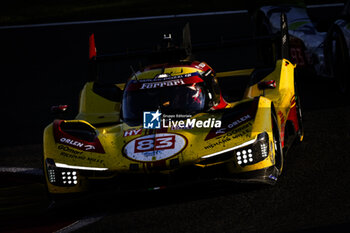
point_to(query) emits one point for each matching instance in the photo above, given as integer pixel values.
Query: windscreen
(184, 99)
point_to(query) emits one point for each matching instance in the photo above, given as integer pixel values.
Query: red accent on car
(59, 108)
(77, 143)
(293, 115)
(271, 84)
(198, 65)
(221, 105)
(283, 124)
(92, 47)
(63, 107)
(282, 135)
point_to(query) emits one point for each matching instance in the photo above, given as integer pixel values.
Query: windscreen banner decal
(159, 83)
(155, 147)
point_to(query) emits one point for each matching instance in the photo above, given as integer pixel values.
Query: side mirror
(58, 110)
(271, 84)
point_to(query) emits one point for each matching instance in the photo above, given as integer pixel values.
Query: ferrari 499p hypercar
(176, 122)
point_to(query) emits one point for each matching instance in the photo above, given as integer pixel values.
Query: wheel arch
(335, 28)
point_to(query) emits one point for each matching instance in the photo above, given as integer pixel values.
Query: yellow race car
(176, 122)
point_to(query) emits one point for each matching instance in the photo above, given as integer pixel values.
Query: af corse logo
(151, 120)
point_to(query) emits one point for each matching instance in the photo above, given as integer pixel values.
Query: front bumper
(81, 180)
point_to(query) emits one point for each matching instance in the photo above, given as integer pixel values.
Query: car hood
(125, 145)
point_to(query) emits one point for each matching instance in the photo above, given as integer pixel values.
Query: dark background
(45, 66)
(42, 67)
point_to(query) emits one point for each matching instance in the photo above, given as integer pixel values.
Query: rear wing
(185, 51)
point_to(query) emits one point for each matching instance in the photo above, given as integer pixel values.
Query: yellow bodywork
(114, 137)
(96, 109)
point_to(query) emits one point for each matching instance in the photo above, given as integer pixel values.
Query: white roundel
(154, 147)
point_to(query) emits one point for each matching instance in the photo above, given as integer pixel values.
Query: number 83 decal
(155, 147)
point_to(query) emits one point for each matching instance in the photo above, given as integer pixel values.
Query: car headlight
(61, 176)
(255, 152)
(248, 153)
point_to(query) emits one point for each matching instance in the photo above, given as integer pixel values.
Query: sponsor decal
(168, 83)
(67, 149)
(132, 132)
(234, 118)
(164, 77)
(220, 142)
(71, 142)
(200, 65)
(164, 82)
(240, 132)
(239, 121)
(229, 127)
(81, 157)
(78, 144)
(72, 156)
(95, 160)
(75, 142)
(155, 147)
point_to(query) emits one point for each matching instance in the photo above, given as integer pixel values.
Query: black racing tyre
(55, 199)
(277, 145)
(50, 196)
(300, 132)
(337, 58)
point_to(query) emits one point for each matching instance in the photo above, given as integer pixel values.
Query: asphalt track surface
(44, 65)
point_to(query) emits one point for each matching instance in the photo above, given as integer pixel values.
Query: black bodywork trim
(183, 177)
(108, 91)
(259, 74)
